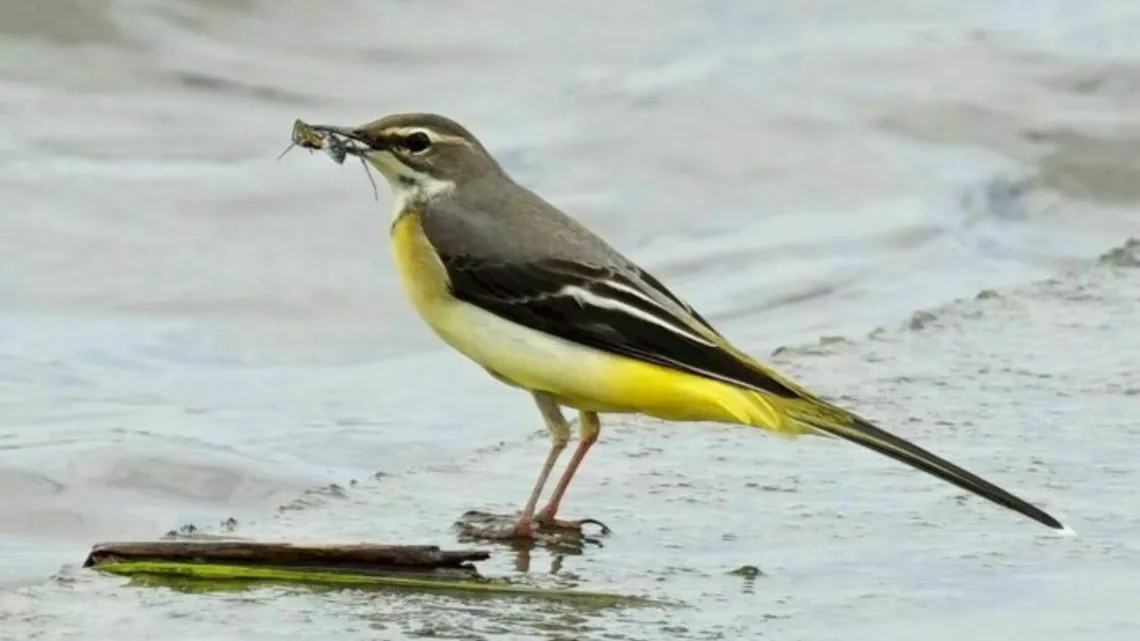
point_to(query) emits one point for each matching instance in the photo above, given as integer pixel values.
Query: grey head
(420, 151)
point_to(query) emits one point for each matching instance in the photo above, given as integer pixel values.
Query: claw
(573, 526)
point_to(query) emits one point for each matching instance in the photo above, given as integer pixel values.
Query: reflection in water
(191, 330)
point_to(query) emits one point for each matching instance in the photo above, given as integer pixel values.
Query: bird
(545, 305)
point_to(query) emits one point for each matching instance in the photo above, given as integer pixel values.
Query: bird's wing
(625, 313)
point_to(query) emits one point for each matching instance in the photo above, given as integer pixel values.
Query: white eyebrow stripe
(431, 133)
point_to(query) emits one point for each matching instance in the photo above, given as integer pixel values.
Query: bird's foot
(494, 527)
(484, 526)
(546, 522)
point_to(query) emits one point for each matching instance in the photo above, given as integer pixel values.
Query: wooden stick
(357, 557)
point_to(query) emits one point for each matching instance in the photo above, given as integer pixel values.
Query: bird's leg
(590, 427)
(559, 437)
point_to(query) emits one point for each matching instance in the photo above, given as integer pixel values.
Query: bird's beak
(360, 144)
(352, 133)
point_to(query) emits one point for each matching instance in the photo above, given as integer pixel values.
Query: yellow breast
(421, 272)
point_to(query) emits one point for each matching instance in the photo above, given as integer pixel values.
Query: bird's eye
(417, 142)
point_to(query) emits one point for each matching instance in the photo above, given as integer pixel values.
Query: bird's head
(422, 155)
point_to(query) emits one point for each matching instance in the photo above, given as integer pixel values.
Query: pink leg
(559, 436)
(589, 430)
(525, 525)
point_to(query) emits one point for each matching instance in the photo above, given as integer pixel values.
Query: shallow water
(191, 330)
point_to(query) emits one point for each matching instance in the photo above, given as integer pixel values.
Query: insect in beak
(337, 142)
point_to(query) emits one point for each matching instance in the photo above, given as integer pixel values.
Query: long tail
(822, 416)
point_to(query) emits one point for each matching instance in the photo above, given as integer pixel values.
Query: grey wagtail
(545, 305)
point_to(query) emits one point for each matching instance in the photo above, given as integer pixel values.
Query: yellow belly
(580, 377)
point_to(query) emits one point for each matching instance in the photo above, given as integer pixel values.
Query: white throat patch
(408, 185)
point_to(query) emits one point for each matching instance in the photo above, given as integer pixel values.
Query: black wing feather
(532, 295)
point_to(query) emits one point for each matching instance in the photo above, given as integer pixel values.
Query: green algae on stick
(209, 577)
